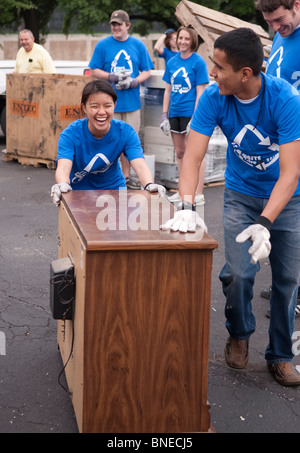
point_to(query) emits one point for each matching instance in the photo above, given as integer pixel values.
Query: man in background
(284, 17)
(32, 58)
(126, 63)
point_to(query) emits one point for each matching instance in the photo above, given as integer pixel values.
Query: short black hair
(243, 48)
(96, 86)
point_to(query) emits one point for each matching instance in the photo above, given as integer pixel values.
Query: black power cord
(64, 281)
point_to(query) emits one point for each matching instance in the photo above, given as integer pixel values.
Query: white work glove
(57, 190)
(115, 77)
(259, 235)
(185, 221)
(127, 83)
(152, 187)
(165, 123)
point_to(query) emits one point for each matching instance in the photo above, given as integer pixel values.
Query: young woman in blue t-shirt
(186, 77)
(89, 148)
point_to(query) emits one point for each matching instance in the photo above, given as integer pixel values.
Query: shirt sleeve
(132, 145)
(202, 76)
(204, 119)
(48, 65)
(66, 146)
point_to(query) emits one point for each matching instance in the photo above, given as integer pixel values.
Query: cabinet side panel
(146, 341)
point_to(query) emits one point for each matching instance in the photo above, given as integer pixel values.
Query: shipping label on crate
(70, 112)
(24, 108)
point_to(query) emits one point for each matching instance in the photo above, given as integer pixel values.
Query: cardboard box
(39, 107)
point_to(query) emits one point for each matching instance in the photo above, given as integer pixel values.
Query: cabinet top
(127, 219)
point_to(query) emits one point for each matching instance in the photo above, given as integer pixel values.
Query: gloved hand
(57, 190)
(152, 187)
(185, 221)
(259, 235)
(127, 83)
(115, 77)
(165, 123)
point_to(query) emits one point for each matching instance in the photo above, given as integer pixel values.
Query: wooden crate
(39, 107)
(210, 23)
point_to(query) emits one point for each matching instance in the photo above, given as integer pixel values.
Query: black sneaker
(132, 184)
(297, 312)
(266, 293)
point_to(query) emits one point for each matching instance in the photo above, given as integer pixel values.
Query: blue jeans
(238, 274)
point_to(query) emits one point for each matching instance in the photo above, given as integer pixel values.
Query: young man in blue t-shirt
(284, 17)
(126, 63)
(260, 116)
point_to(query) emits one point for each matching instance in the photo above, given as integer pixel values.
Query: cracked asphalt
(31, 399)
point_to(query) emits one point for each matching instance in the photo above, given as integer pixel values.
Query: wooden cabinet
(141, 326)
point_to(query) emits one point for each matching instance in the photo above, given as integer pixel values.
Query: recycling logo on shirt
(279, 61)
(180, 81)
(255, 160)
(103, 165)
(122, 61)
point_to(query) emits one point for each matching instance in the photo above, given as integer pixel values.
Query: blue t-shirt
(279, 123)
(95, 161)
(284, 61)
(184, 75)
(111, 55)
(167, 54)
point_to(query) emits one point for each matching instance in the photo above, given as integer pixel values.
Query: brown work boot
(285, 373)
(236, 352)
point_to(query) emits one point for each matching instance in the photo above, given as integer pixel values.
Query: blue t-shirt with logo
(252, 154)
(184, 75)
(167, 54)
(112, 55)
(96, 161)
(284, 61)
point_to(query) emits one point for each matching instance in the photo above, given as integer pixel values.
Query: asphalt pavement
(31, 399)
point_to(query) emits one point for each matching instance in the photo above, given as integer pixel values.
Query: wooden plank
(186, 18)
(23, 160)
(219, 29)
(222, 18)
(210, 23)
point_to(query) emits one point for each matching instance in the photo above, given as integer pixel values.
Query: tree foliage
(84, 15)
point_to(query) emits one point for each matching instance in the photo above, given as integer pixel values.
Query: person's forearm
(166, 98)
(63, 170)
(143, 76)
(159, 45)
(191, 163)
(280, 196)
(99, 73)
(289, 163)
(142, 170)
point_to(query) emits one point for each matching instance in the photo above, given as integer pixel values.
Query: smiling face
(184, 41)
(228, 80)
(120, 31)
(26, 40)
(99, 110)
(284, 21)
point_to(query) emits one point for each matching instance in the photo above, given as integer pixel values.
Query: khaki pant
(132, 118)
